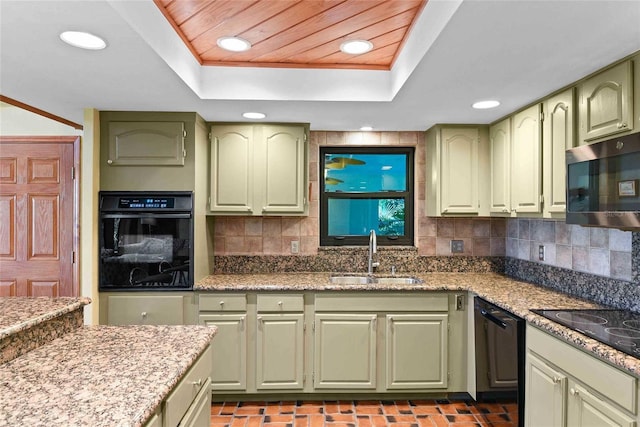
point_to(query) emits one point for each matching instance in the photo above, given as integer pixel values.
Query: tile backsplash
(273, 235)
(600, 251)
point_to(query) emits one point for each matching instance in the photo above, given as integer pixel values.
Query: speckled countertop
(515, 296)
(99, 375)
(21, 313)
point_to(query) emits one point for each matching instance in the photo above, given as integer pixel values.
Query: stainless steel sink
(351, 280)
(364, 280)
(398, 281)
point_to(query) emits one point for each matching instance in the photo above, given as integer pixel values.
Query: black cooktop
(619, 329)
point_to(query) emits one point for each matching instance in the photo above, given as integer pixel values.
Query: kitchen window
(364, 189)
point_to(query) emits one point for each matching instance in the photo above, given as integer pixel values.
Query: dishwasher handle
(492, 318)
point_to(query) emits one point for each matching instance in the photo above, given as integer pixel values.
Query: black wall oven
(146, 241)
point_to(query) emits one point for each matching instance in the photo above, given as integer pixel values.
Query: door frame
(75, 141)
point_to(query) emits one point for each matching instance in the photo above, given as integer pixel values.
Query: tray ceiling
(294, 33)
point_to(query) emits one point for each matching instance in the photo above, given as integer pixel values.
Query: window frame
(407, 239)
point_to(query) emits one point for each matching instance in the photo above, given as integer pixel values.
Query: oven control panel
(146, 203)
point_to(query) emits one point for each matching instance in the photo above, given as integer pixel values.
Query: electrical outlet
(295, 246)
(457, 246)
(541, 252)
(459, 302)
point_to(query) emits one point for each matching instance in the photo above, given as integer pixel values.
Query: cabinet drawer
(222, 302)
(382, 302)
(607, 380)
(188, 388)
(199, 414)
(280, 302)
(145, 310)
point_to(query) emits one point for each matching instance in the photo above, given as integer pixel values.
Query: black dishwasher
(500, 354)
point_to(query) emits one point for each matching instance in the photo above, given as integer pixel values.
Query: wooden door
(38, 236)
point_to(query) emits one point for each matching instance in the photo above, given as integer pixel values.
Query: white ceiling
(461, 51)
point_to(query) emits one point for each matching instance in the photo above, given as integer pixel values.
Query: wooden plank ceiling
(294, 33)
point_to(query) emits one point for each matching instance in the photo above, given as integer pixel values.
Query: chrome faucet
(373, 248)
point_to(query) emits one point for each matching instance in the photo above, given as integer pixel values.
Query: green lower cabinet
(280, 351)
(568, 387)
(345, 351)
(546, 390)
(416, 351)
(229, 351)
(585, 409)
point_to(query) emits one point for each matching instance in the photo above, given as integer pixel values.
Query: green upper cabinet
(146, 143)
(526, 149)
(500, 155)
(259, 169)
(606, 103)
(558, 136)
(154, 151)
(454, 169)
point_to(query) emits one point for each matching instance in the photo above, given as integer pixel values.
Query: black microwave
(603, 183)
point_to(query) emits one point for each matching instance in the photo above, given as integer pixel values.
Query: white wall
(15, 121)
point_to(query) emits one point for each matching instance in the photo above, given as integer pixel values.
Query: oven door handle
(492, 318)
(148, 215)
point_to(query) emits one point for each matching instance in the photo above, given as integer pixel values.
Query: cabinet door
(145, 310)
(345, 351)
(545, 394)
(606, 103)
(557, 138)
(229, 351)
(416, 351)
(283, 178)
(500, 151)
(459, 170)
(231, 169)
(146, 143)
(526, 148)
(586, 410)
(280, 351)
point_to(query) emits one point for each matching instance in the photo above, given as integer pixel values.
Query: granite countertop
(21, 313)
(99, 375)
(513, 295)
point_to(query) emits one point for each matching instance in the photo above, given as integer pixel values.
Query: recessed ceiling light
(366, 128)
(356, 47)
(483, 105)
(254, 115)
(233, 44)
(83, 40)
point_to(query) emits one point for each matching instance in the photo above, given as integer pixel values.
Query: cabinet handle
(143, 314)
(505, 210)
(109, 162)
(556, 380)
(622, 125)
(280, 304)
(221, 303)
(197, 383)
(260, 318)
(242, 322)
(574, 392)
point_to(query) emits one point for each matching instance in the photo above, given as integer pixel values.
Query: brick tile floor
(398, 413)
